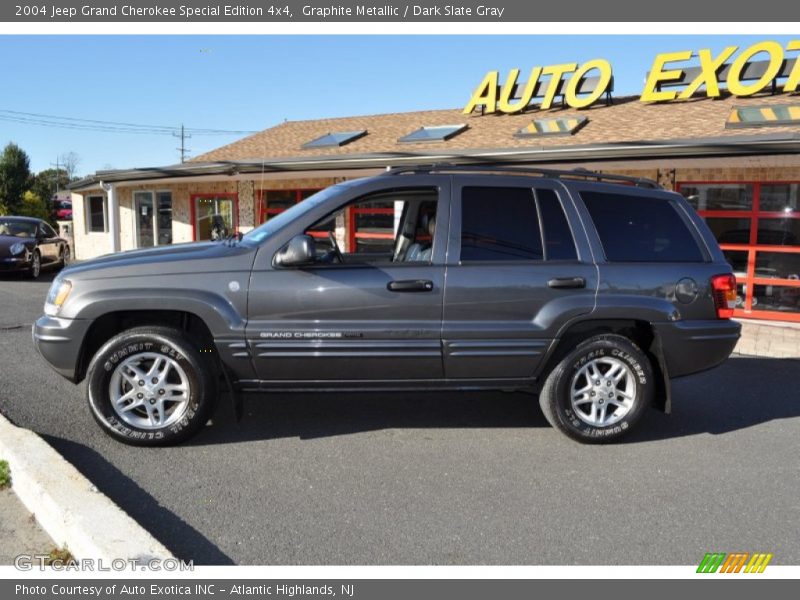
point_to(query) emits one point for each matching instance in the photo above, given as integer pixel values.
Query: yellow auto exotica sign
(565, 79)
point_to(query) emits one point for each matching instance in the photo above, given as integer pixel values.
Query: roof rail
(578, 173)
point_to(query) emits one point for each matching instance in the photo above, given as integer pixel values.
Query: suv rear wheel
(150, 386)
(599, 391)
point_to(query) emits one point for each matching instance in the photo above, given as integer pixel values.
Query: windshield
(22, 229)
(262, 232)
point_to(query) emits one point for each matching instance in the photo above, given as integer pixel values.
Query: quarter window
(641, 228)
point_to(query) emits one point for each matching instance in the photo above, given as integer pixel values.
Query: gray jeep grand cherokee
(590, 290)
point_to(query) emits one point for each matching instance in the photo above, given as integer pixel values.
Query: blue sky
(254, 82)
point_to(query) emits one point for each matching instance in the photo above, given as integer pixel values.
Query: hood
(6, 241)
(194, 257)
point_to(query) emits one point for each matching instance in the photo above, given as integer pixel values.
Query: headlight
(17, 248)
(59, 291)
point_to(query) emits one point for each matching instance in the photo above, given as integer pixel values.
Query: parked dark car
(591, 291)
(28, 245)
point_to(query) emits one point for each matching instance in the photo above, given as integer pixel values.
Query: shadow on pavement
(741, 393)
(183, 540)
(46, 276)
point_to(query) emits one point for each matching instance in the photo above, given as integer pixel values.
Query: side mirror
(300, 251)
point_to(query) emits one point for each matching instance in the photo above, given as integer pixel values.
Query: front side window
(387, 227)
(96, 220)
(499, 224)
(641, 228)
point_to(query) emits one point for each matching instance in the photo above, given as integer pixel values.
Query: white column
(113, 214)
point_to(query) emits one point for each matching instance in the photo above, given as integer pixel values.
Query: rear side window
(641, 228)
(499, 224)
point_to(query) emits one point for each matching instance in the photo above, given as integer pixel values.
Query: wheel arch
(109, 324)
(640, 331)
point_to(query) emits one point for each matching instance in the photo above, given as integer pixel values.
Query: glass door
(145, 219)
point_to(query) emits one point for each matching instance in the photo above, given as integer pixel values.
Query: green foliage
(5, 474)
(15, 177)
(33, 206)
(44, 183)
(60, 557)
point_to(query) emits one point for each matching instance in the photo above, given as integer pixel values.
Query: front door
(371, 314)
(515, 270)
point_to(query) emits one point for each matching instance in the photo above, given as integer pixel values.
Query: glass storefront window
(780, 265)
(719, 196)
(776, 298)
(779, 232)
(214, 217)
(780, 197)
(280, 199)
(737, 259)
(770, 213)
(730, 231)
(274, 202)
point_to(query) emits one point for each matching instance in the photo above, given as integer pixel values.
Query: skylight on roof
(763, 116)
(436, 133)
(335, 139)
(553, 126)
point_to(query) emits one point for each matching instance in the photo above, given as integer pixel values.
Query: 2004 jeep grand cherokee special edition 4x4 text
(591, 290)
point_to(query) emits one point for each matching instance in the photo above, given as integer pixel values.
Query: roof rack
(523, 171)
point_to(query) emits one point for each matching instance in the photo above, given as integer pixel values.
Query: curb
(68, 507)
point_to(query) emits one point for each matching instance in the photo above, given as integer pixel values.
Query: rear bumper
(59, 342)
(694, 346)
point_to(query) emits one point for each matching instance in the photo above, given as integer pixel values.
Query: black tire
(36, 265)
(152, 341)
(65, 257)
(555, 396)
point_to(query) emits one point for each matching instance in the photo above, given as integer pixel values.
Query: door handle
(410, 285)
(567, 282)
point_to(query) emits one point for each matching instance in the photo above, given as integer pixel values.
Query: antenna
(183, 149)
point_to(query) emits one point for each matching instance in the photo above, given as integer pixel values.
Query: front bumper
(694, 346)
(15, 263)
(59, 342)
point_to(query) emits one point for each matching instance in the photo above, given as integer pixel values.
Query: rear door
(519, 267)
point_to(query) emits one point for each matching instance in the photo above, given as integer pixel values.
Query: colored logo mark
(735, 562)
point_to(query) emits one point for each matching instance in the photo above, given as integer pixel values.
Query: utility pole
(183, 149)
(57, 165)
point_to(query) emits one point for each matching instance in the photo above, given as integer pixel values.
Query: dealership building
(736, 159)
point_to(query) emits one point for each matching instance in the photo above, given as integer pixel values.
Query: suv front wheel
(600, 390)
(150, 386)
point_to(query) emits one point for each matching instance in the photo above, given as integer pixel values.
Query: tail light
(723, 288)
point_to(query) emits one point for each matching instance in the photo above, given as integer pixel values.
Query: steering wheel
(335, 246)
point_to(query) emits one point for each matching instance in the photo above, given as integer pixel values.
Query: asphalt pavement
(439, 478)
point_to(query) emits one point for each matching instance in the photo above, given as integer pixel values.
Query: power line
(45, 120)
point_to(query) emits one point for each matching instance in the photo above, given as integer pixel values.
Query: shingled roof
(626, 120)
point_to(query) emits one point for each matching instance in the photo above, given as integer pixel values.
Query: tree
(70, 161)
(34, 206)
(15, 176)
(45, 183)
